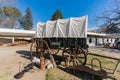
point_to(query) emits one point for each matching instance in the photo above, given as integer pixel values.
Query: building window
(90, 40)
(107, 40)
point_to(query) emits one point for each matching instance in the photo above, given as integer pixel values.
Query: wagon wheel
(33, 49)
(38, 47)
(76, 55)
(81, 56)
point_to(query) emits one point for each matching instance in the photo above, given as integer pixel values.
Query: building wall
(5, 40)
(99, 41)
(91, 41)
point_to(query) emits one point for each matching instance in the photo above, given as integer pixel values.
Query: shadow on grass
(81, 74)
(84, 75)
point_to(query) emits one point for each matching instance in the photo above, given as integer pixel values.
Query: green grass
(51, 76)
(107, 64)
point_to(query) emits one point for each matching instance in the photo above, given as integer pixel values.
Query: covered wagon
(64, 31)
(66, 34)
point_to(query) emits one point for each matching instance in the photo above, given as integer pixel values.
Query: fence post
(116, 67)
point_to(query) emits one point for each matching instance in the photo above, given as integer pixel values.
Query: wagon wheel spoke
(38, 47)
(81, 57)
(78, 54)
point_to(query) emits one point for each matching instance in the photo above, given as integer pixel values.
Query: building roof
(31, 33)
(101, 35)
(16, 33)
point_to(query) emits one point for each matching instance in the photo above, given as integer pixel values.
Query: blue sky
(42, 10)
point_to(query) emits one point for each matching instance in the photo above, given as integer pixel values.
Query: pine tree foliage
(57, 15)
(27, 20)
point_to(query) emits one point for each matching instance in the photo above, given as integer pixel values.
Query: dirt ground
(11, 56)
(10, 59)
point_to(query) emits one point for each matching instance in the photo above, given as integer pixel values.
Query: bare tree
(110, 19)
(9, 15)
(7, 2)
(8, 23)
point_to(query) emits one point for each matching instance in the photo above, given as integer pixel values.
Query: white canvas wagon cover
(63, 28)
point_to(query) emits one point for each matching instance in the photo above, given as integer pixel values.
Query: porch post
(13, 40)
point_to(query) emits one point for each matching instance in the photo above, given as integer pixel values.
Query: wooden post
(13, 40)
(116, 67)
(67, 61)
(103, 40)
(52, 61)
(42, 62)
(42, 66)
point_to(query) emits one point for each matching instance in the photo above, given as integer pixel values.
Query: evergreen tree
(27, 21)
(57, 15)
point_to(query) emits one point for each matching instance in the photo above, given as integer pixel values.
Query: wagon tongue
(19, 75)
(26, 69)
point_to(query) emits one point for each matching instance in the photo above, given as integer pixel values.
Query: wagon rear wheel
(81, 56)
(76, 55)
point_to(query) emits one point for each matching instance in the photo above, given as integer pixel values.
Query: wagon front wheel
(39, 47)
